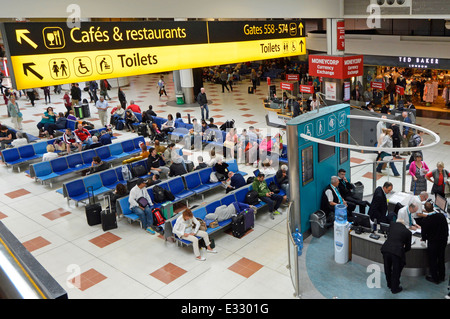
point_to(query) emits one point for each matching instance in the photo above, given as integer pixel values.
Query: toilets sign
(51, 53)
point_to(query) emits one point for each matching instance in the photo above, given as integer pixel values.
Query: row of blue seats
(46, 171)
(235, 196)
(102, 182)
(182, 187)
(15, 157)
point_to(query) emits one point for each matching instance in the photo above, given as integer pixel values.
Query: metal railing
(374, 171)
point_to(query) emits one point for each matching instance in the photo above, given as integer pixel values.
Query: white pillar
(186, 80)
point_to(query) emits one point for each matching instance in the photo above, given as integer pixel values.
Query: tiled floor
(127, 262)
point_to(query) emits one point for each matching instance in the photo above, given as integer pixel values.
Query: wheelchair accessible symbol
(82, 66)
(308, 129)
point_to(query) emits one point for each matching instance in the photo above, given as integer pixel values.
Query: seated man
(154, 163)
(141, 205)
(345, 188)
(97, 165)
(83, 135)
(201, 164)
(270, 198)
(95, 143)
(379, 208)
(282, 178)
(234, 181)
(332, 197)
(70, 139)
(6, 136)
(406, 214)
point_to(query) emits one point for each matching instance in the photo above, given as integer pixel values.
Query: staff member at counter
(394, 250)
(435, 232)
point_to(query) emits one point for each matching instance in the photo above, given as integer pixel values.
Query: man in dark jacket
(97, 165)
(379, 207)
(203, 102)
(235, 180)
(346, 188)
(177, 168)
(394, 250)
(435, 232)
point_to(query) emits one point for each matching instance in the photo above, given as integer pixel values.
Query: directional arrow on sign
(21, 35)
(300, 26)
(27, 67)
(301, 45)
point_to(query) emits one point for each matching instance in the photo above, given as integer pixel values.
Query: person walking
(387, 143)
(161, 87)
(394, 250)
(202, 100)
(102, 108)
(14, 112)
(223, 81)
(46, 90)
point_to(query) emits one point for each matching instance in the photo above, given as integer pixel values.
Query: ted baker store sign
(419, 62)
(336, 67)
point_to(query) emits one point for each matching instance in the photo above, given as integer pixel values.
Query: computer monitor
(384, 228)
(361, 220)
(441, 202)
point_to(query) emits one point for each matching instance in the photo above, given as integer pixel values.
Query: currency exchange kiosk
(312, 164)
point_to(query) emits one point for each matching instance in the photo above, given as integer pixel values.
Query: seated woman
(184, 229)
(50, 153)
(168, 126)
(60, 123)
(119, 192)
(130, 118)
(48, 118)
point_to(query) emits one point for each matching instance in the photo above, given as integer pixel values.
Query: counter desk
(365, 251)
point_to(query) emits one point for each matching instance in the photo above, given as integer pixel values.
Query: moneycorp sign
(43, 54)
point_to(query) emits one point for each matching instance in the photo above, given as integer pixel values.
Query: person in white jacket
(144, 211)
(187, 227)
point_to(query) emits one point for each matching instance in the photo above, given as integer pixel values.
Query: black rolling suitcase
(108, 217)
(142, 130)
(93, 209)
(250, 90)
(189, 166)
(238, 226)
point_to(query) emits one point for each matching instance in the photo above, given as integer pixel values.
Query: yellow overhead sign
(51, 54)
(51, 69)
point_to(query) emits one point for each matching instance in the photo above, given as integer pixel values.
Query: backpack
(273, 187)
(159, 194)
(168, 195)
(158, 218)
(251, 198)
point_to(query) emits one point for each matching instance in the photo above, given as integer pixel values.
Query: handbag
(228, 144)
(142, 201)
(202, 224)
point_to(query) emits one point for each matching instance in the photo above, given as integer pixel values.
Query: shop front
(425, 81)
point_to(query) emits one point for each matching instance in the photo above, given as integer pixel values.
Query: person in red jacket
(135, 108)
(83, 135)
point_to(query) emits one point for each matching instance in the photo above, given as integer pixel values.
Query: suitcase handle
(91, 199)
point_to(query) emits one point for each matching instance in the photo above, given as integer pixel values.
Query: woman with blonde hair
(439, 177)
(50, 153)
(188, 227)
